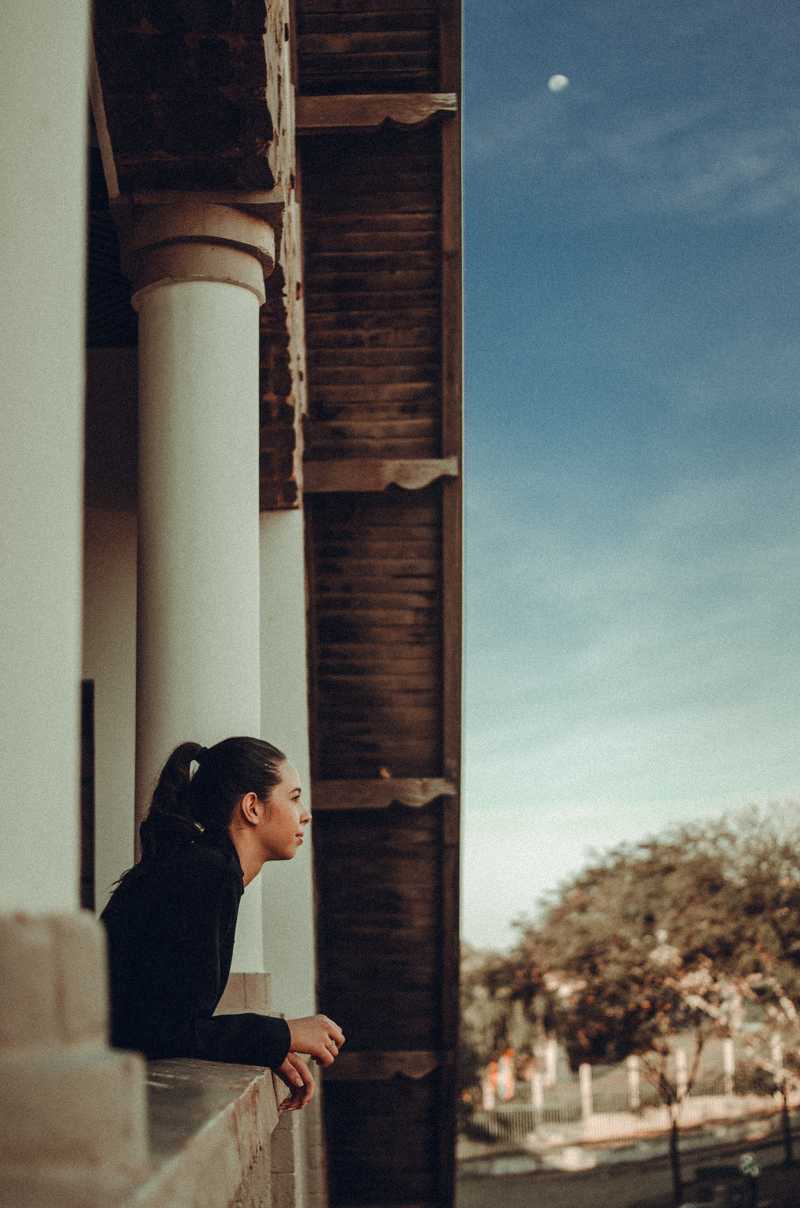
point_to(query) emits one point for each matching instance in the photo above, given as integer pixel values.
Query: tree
(642, 946)
(678, 934)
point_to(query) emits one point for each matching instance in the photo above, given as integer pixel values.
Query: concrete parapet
(211, 1129)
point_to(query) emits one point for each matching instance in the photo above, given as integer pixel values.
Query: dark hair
(183, 806)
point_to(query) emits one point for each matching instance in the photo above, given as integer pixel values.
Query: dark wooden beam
(368, 111)
(374, 474)
(377, 794)
(450, 77)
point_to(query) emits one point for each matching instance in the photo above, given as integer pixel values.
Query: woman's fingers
(297, 1076)
(317, 1035)
(334, 1029)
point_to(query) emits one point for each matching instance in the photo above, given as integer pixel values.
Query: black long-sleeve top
(170, 924)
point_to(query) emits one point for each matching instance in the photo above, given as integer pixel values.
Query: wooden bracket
(372, 474)
(377, 794)
(369, 1066)
(368, 111)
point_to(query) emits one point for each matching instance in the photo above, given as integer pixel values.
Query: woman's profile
(171, 919)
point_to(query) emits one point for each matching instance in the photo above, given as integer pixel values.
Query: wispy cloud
(654, 668)
(598, 162)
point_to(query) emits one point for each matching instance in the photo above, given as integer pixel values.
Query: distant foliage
(694, 932)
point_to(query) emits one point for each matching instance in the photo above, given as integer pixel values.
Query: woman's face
(285, 817)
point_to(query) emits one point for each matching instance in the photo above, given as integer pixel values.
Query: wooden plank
(378, 794)
(360, 474)
(365, 111)
(369, 1066)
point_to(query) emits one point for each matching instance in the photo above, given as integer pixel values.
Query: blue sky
(632, 325)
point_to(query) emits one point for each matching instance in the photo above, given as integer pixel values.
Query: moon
(557, 83)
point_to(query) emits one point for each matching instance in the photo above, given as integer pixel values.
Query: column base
(73, 1110)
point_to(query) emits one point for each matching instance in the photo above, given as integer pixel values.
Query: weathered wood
(374, 262)
(348, 7)
(381, 1066)
(450, 58)
(361, 475)
(452, 393)
(368, 112)
(378, 794)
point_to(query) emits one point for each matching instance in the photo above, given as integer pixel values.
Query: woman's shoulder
(188, 847)
(210, 860)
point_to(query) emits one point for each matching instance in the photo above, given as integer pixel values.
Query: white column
(287, 887)
(73, 1111)
(198, 275)
(43, 74)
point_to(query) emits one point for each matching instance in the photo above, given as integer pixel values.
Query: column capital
(195, 241)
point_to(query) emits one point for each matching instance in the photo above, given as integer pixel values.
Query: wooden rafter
(378, 794)
(367, 111)
(373, 1066)
(374, 474)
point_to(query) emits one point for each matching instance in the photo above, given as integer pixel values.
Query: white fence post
(681, 1074)
(537, 1090)
(585, 1080)
(550, 1061)
(728, 1064)
(634, 1084)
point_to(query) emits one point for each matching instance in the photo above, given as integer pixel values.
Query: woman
(172, 918)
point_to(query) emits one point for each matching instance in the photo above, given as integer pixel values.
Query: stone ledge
(210, 1132)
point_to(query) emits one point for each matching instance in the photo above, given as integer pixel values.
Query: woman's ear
(248, 807)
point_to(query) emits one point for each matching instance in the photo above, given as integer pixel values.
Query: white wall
(109, 658)
(287, 887)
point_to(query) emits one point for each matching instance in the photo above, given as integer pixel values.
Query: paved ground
(629, 1185)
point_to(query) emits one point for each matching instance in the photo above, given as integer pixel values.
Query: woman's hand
(316, 1035)
(294, 1072)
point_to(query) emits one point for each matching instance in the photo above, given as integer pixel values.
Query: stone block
(245, 992)
(61, 1186)
(285, 1142)
(284, 1190)
(81, 1108)
(79, 945)
(28, 1002)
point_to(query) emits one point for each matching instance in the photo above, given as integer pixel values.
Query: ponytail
(185, 805)
(169, 821)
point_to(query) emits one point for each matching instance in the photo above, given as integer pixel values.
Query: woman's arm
(203, 942)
